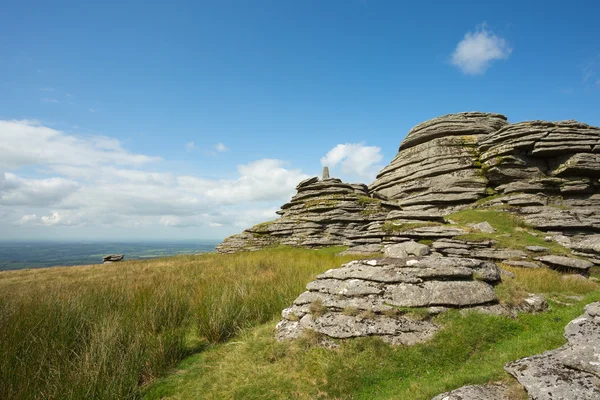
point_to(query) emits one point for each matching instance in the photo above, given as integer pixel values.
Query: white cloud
(34, 192)
(190, 146)
(50, 100)
(474, 54)
(95, 182)
(220, 147)
(27, 219)
(355, 159)
(28, 143)
(92, 110)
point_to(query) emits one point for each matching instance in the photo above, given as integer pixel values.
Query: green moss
(426, 242)
(365, 200)
(391, 226)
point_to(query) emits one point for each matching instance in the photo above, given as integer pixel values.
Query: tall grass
(102, 332)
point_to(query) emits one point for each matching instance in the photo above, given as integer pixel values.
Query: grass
(202, 327)
(511, 231)
(102, 332)
(391, 226)
(470, 349)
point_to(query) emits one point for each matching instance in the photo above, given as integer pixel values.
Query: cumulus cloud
(354, 159)
(28, 143)
(220, 147)
(34, 192)
(478, 49)
(95, 182)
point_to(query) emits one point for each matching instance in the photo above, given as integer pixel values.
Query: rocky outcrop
(324, 212)
(437, 167)
(547, 173)
(571, 372)
(390, 298)
(551, 171)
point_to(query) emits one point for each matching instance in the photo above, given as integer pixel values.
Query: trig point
(325, 173)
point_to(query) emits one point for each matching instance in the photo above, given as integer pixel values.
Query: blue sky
(194, 119)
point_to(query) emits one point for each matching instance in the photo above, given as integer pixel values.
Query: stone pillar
(325, 173)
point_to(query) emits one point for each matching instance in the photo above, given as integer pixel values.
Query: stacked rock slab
(379, 297)
(324, 212)
(437, 167)
(549, 170)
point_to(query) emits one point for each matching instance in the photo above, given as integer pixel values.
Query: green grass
(471, 349)
(202, 327)
(511, 231)
(101, 332)
(391, 226)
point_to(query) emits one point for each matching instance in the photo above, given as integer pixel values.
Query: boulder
(376, 297)
(404, 249)
(492, 391)
(561, 262)
(112, 258)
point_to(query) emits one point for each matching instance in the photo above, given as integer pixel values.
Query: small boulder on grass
(405, 249)
(483, 227)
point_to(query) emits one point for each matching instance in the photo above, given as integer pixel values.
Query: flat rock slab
(565, 262)
(493, 391)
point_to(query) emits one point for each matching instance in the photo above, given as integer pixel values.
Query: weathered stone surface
(537, 249)
(493, 391)
(437, 163)
(483, 227)
(565, 262)
(476, 249)
(405, 249)
(522, 264)
(569, 372)
(363, 249)
(370, 297)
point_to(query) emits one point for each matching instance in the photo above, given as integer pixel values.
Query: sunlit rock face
(437, 166)
(549, 170)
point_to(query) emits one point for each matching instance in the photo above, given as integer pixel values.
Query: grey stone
(325, 173)
(359, 298)
(521, 264)
(565, 262)
(112, 258)
(537, 249)
(483, 227)
(402, 250)
(492, 391)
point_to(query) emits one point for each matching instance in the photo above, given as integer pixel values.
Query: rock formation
(324, 212)
(545, 172)
(380, 297)
(437, 166)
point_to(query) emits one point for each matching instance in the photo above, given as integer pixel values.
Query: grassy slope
(107, 331)
(101, 331)
(470, 349)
